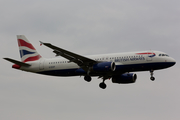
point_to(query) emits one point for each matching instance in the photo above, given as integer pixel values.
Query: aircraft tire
(102, 85)
(87, 78)
(152, 78)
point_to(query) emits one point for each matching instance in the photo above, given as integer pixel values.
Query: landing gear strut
(152, 78)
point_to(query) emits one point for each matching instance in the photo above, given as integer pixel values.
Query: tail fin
(27, 51)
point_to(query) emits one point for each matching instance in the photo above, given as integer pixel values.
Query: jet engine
(104, 67)
(125, 78)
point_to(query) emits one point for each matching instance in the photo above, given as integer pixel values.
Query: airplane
(116, 66)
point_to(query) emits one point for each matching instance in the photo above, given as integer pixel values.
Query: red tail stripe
(34, 58)
(24, 43)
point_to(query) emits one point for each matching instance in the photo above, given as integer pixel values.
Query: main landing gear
(152, 78)
(87, 78)
(102, 85)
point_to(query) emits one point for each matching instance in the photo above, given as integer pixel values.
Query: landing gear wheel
(87, 78)
(152, 78)
(102, 85)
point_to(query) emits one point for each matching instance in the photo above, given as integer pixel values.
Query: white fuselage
(125, 62)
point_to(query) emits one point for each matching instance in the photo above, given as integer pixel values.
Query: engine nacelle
(104, 67)
(125, 78)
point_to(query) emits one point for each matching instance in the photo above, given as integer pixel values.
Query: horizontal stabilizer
(17, 62)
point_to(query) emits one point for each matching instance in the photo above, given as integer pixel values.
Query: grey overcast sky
(89, 27)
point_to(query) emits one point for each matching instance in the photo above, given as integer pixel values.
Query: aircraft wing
(82, 61)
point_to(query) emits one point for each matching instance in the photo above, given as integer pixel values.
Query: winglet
(41, 43)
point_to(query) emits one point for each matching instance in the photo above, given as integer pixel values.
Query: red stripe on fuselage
(145, 53)
(25, 44)
(34, 58)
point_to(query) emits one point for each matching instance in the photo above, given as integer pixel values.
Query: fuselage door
(41, 64)
(149, 56)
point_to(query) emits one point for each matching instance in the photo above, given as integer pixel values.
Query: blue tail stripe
(25, 52)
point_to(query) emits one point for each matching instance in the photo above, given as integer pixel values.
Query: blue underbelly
(119, 69)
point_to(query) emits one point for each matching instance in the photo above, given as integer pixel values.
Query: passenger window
(159, 54)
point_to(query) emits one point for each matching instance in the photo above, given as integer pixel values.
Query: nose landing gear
(151, 72)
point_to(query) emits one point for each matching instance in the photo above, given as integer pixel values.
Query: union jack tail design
(27, 51)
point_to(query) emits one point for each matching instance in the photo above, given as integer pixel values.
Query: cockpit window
(163, 55)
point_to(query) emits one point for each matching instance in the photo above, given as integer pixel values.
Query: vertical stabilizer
(27, 51)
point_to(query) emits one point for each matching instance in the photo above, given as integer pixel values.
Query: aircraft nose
(172, 61)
